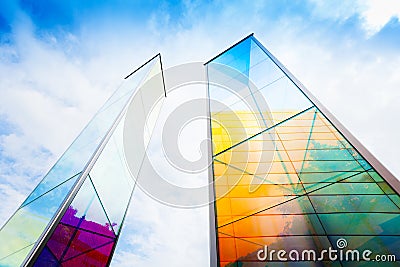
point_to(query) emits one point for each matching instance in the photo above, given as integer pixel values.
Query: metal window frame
(51, 227)
(357, 145)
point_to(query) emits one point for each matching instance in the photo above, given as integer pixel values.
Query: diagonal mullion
(101, 204)
(286, 201)
(51, 189)
(89, 250)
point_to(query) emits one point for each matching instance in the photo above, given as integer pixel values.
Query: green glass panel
(16, 258)
(386, 188)
(364, 164)
(374, 175)
(327, 177)
(320, 153)
(361, 223)
(349, 188)
(363, 177)
(353, 152)
(28, 223)
(330, 166)
(353, 203)
(395, 199)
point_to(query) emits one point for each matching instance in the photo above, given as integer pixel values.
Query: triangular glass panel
(110, 174)
(16, 258)
(84, 242)
(26, 225)
(140, 119)
(47, 258)
(336, 191)
(112, 179)
(60, 240)
(80, 151)
(86, 211)
(237, 58)
(96, 258)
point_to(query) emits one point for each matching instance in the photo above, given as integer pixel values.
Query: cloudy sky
(60, 60)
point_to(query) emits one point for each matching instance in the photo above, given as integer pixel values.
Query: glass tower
(287, 175)
(75, 214)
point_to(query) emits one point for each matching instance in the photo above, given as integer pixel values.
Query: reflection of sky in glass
(156, 234)
(80, 151)
(88, 230)
(42, 204)
(317, 186)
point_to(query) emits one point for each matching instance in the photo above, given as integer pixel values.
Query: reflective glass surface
(284, 176)
(88, 228)
(84, 229)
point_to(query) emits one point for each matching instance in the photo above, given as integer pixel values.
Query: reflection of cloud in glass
(76, 240)
(316, 187)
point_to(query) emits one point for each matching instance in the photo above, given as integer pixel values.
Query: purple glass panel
(60, 239)
(84, 242)
(46, 259)
(70, 218)
(77, 242)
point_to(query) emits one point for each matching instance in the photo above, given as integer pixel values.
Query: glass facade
(284, 176)
(74, 216)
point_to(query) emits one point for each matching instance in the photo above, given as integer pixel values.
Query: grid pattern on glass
(112, 180)
(83, 230)
(78, 154)
(246, 81)
(17, 257)
(44, 201)
(314, 189)
(89, 228)
(26, 225)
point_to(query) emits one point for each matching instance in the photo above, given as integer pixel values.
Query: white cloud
(358, 84)
(374, 14)
(13, 197)
(155, 235)
(377, 13)
(50, 92)
(340, 11)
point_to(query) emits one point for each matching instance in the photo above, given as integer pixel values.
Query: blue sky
(60, 60)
